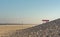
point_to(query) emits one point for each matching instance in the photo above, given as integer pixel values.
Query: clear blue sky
(30, 11)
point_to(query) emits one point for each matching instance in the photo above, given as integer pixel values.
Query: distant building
(45, 21)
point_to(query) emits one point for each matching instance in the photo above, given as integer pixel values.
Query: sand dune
(7, 28)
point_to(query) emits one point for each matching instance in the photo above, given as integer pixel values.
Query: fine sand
(7, 28)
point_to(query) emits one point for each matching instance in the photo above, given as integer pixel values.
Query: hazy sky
(28, 11)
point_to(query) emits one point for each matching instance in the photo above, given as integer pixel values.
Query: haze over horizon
(28, 11)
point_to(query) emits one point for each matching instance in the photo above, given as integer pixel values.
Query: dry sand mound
(50, 29)
(8, 29)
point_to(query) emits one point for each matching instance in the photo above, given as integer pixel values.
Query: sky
(28, 11)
